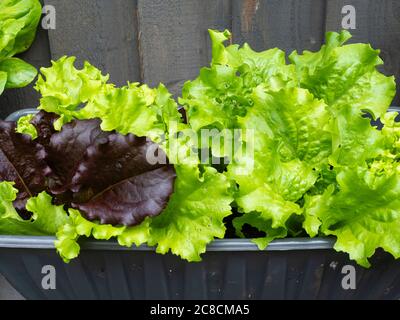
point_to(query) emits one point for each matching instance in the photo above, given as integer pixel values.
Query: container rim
(44, 242)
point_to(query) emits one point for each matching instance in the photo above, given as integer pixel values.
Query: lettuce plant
(317, 166)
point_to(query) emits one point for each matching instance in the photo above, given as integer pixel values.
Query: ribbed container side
(107, 274)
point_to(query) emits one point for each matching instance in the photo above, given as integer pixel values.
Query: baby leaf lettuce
(18, 22)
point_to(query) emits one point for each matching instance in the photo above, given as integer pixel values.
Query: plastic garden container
(230, 269)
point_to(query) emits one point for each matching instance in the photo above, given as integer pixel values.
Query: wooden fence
(166, 41)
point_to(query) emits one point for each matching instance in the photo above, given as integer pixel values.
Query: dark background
(166, 41)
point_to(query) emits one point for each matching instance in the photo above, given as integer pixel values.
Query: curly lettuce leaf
(64, 88)
(135, 109)
(85, 94)
(67, 236)
(262, 223)
(290, 145)
(67, 244)
(354, 140)
(46, 218)
(24, 126)
(194, 215)
(364, 214)
(222, 92)
(345, 76)
(391, 134)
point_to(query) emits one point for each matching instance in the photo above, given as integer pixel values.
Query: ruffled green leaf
(46, 217)
(135, 109)
(354, 140)
(364, 214)
(290, 146)
(64, 88)
(67, 236)
(25, 126)
(223, 92)
(194, 215)
(345, 76)
(261, 223)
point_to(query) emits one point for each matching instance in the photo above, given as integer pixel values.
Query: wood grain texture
(173, 38)
(39, 56)
(378, 23)
(287, 24)
(103, 32)
(167, 41)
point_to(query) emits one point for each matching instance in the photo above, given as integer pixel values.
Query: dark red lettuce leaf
(22, 161)
(67, 149)
(108, 162)
(43, 122)
(106, 175)
(130, 201)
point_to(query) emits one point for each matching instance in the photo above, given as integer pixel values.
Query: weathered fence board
(377, 22)
(166, 40)
(173, 37)
(288, 24)
(101, 31)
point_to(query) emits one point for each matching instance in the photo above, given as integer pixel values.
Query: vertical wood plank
(286, 24)
(378, 23)
(103, 32)
(37, 55)
(174, 40)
